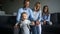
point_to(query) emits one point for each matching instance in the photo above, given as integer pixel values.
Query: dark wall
(13, 6)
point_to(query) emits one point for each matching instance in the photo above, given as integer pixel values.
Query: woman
(36, 17)
(46, 16)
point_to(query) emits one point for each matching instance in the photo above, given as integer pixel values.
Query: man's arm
(31, 15)
(18, 15)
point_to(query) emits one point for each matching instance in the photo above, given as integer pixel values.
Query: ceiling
(2, 1)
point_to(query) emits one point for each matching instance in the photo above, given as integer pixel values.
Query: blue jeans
(35, 29)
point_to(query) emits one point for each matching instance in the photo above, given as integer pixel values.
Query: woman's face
(46, 8)
(37, 7)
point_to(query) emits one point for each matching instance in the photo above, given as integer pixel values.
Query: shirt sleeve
(18, 15)
(48, 18)
(40, 15)
(17, 23)
(29, 22)
(31, 15)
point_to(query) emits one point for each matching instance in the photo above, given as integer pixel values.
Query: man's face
(27, 4)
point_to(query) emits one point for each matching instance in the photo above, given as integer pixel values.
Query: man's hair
(26, 1)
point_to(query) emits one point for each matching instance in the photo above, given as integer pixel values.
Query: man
(21, 10)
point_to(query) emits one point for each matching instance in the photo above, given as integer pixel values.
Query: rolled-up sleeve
(48, 18)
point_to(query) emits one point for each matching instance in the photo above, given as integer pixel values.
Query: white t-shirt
(24, 25)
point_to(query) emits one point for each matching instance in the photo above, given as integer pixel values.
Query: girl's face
(24, 16)
(46, 8)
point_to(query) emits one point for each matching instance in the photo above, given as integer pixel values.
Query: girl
(46, 15)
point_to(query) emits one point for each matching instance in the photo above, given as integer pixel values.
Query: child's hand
(37, 22)
(44, 22)
(33, 23)
(16, 26)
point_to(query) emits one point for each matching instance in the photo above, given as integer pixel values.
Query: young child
(24, 23)
(36, 17)
(46, 16)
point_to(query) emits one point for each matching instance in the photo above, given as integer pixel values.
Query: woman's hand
(37, 22)
(33, 23)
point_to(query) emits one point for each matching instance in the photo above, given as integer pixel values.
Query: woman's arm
(40, 15)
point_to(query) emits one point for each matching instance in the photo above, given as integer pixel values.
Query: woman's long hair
(46, 13)
(36, 5)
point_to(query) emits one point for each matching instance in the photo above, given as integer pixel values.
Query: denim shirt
(46, 17)
(21, 10)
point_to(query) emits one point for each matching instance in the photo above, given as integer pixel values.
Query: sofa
(7, 24)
